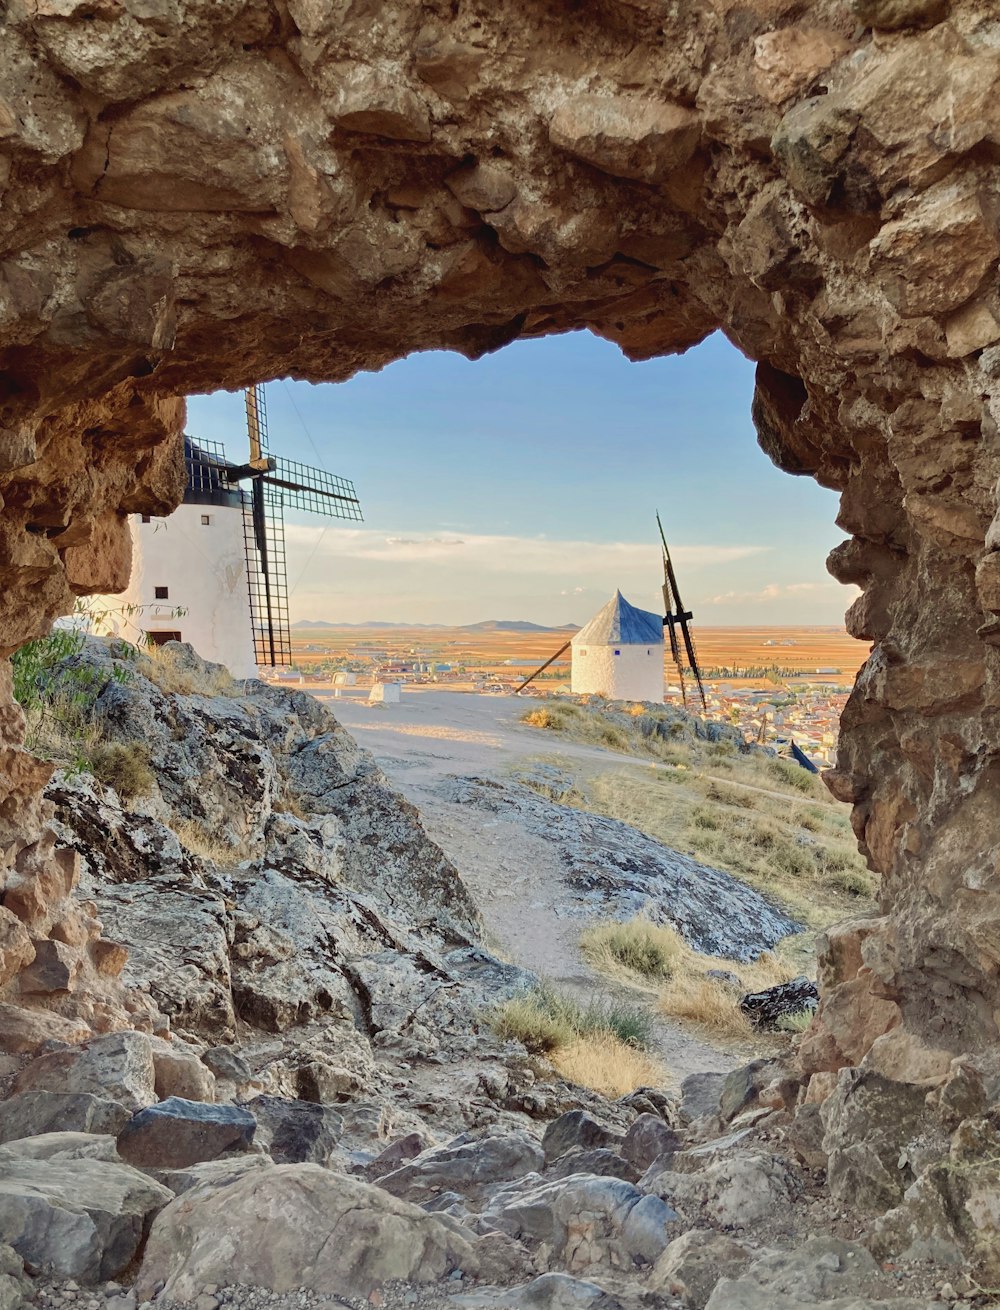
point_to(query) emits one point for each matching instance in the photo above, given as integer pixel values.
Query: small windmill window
(617, 652)
(206, 520)
(146, 518)
(161, 593)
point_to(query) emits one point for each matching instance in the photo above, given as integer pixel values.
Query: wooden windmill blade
(678, 617)
(275, 484)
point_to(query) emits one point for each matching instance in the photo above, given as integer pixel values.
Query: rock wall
(204, 194)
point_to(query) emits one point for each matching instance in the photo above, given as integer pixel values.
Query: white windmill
(213, 573)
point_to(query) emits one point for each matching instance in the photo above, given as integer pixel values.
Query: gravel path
(515, 877)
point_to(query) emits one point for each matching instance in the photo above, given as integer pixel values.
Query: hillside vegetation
(761, 818)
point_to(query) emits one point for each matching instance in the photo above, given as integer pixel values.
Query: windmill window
(206, 520)
(617, 652)
(146, 518)
(161, 593)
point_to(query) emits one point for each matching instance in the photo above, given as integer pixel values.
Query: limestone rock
(597, 1160)
(585, 1220)
(118, 1067)
(295, 1132)
(575, 1130)
(177, 1133)
(14, 1286)
(32, 1113)
(737, 1189)
(466, 1166)
(296, 1226)
(869, 1121)
(178, 1071)
(648, 1138)
(626, 136)
(62, 1146)
(693, 1263)
(80, 1219)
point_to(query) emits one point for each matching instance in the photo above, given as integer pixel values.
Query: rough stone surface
(177, 1133)
(465, 1166)
(32, 1113)
(79, 1218)
(575, 1130)
(296, 1226)
(693, 1263)
(118, 1067)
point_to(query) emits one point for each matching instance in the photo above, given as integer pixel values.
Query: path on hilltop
(515, 876)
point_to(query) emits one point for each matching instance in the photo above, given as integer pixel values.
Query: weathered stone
(575, 1130)
(14, 1285)
(743, 1086)
(598, 1160)
(548, 1292)
(587, 1221)
(62, 1145)
(648, 1138)
(869, 1121)
(701, 1093)
(178, 1071)
(626, 136)
(765, 1008)
(79, 1219)
(295, 1132)
(736, 1189)
(119, 1067)
(177, 1133)
(32, 1113)
(893, 14)
(693, 1263)
(296, 1226)
(465, 1166)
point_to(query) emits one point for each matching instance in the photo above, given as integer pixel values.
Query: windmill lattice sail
(677, 620)
(277, 484)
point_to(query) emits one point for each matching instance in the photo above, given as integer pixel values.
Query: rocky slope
(316, 1109)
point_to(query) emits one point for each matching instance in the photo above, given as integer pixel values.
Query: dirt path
(516, 878)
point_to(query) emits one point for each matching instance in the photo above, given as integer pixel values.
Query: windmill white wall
(202, 566)
(619, 654)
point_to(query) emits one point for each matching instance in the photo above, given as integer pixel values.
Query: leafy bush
(792, 775)
(123, 765)
(545, 1019)
(797, 1022)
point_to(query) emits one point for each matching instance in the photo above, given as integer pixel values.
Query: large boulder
(740, 1187)
(693, 1263)
(177, 1133)
(296, 1132)
(575, 1130)
(466, 1166)
(297, 1226)
(80, 1219)
(118, 1067)
(32, 1113)
(587, 1221)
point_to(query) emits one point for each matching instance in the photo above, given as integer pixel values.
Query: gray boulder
(177, 1133)
(14, 1287)
(297, 1226)
(693, 1263)
(700, 1093)
(575, 1130)
(647, 1139)
(743, 1295)
(585, 1220)
(598, 1161)
(296, 1132)
(467, 1166)
(548, 1292)
(117, 1067)
(210, 1173)
(821, 1269)
(80, 1219)
(869, 1123)
(62, 1146)
(33, 1113)
(737, 1189)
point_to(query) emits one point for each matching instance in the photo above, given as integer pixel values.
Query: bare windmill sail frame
(274, 485)
(676, 619)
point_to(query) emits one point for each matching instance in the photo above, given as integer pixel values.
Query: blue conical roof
(620, 623)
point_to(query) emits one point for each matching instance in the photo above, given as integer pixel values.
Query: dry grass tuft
(608, 1065)
(123, 765)
(172, 673)
(196, 838)
(639, 950)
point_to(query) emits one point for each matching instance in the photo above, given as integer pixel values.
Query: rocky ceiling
(207, 193)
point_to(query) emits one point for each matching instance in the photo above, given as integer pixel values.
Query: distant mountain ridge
(487, 625)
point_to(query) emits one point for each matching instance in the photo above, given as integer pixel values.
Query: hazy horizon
(526, 485)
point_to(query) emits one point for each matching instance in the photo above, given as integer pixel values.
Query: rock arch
(204, 193)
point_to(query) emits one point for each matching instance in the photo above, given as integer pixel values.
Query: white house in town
(619, 654)
(189, 574)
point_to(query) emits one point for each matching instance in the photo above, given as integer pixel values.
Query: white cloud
(785, 591)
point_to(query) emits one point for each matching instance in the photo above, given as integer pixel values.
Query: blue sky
(525, 486)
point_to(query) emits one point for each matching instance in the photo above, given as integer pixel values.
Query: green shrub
(797, 1022)
(546, 1020)
(792, 775)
